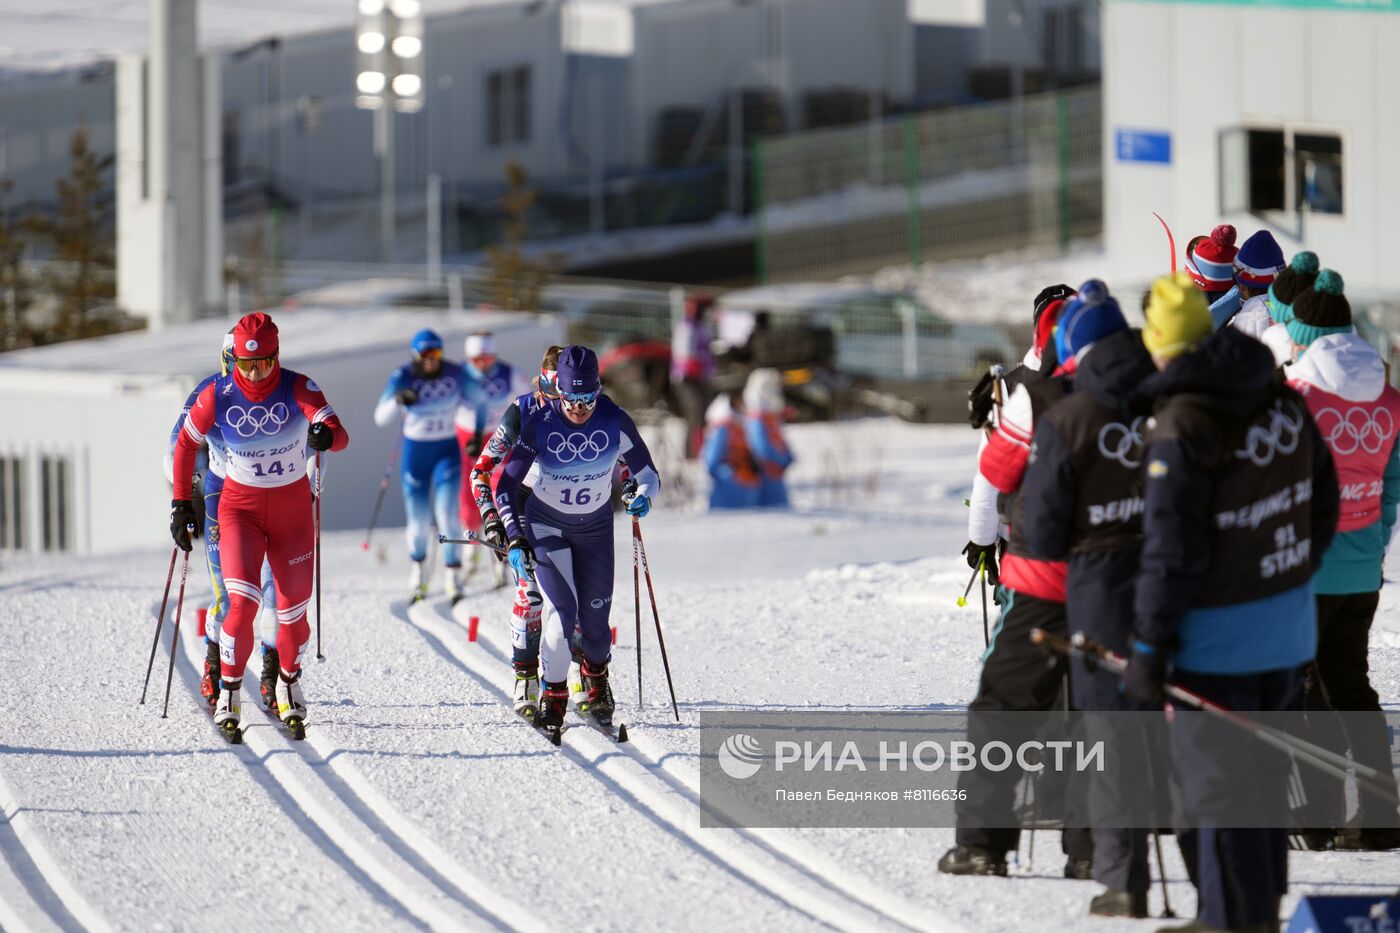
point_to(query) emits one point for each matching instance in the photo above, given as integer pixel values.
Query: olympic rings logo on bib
(579, 446)
(1122, 442)
(437, 389)
(256, 419)
(1263, 444)
(1358, 429)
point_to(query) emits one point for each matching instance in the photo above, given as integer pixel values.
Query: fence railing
(947, 184)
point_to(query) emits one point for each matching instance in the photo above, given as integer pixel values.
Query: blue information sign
(1143, 146)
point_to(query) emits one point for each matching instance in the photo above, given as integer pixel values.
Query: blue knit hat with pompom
(1090, 315)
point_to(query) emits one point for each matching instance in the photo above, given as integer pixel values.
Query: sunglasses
(548, 383)
(249, 363)
(434, 354)
(584, 400)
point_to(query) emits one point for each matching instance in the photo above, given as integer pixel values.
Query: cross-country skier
(1343, 380)
(209, 483)
(1082, 498)
(564, 532)
(1015, 676)
(268, 417)
(1241, 504)
(428, 392)
(500, 387)
(526, 615)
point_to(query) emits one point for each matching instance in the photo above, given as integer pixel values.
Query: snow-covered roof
(57, 34)
(304, 333)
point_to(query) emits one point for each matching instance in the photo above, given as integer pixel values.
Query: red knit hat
(254, 336)
(1211, 261)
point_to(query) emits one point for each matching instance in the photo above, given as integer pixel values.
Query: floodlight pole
(384, 149)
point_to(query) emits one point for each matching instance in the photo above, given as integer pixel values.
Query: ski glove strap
(521, 556)
(182, 518)
(407, 398)
(638, 506)
(319, 437)
(1146, 673)
(493, 531)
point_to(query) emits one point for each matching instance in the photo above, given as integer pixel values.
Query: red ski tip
(472, 623)
(364, 545)
(614, 634)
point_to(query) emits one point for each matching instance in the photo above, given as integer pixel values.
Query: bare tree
(516, 281)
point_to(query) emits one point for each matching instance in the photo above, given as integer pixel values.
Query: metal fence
(947, 184)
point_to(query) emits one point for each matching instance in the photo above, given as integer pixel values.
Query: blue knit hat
(1260, 259)
(1290, 283)
(578, 371)
(1321, 310)
(1089, 316)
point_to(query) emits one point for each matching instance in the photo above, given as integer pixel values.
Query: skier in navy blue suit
(565, 532)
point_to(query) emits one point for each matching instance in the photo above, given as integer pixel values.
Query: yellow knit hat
(1177, 316)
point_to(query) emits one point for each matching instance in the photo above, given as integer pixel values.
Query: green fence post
(911, 180)
(1062, 121)
(760, 234)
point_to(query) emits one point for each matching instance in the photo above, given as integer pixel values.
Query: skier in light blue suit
(428, 392)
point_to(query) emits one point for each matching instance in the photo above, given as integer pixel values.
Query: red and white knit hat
(1211, 262)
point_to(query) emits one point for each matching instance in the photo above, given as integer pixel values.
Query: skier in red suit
(267, 417)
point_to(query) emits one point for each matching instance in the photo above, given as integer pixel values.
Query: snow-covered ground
(419, 801)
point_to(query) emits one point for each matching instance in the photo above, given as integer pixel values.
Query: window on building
(229, 152)
(508, 106)
(1050, 40)
(11, 503)
(1317, 160)
(55, 492)
(1074, 38)
(1265, 169)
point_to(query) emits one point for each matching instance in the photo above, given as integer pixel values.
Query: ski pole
(1325, 760)
(160, 623)
(640, 553)
(1167, 911)
(986, 633)
(637, 607)
(383, 487)
(962, 600)
(316, 521)
(175, 635)
(473, 538)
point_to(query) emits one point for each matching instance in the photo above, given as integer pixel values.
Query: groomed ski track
(779, 868)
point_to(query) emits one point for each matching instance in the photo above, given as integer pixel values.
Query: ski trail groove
(362, 837)
(609, 761)
(803, 858)
(55, 901)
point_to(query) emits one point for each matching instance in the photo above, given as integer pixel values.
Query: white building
(1276, 115)
(84, 425)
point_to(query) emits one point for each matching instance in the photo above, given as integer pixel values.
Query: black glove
(1146, 673)
(984, 555)
(182, 516)
(407, 398)
(474, 447)
(493, 532)
(980, 399)
(320, 437)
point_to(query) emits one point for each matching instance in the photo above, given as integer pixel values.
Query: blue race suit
(568, 520)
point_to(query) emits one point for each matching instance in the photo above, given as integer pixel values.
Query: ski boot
(290, 707)
(498, 574)
(972, 860)
(527, 691)
(1115, 903)
(576, 680)
(417, 582)
(453, 584)
(228, 711)
(554, 701)
(209, 683)
(267, 684)
(473, 561)
(598, 696)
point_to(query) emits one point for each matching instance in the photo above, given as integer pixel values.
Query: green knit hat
(1320, 310)
(1297, 277)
